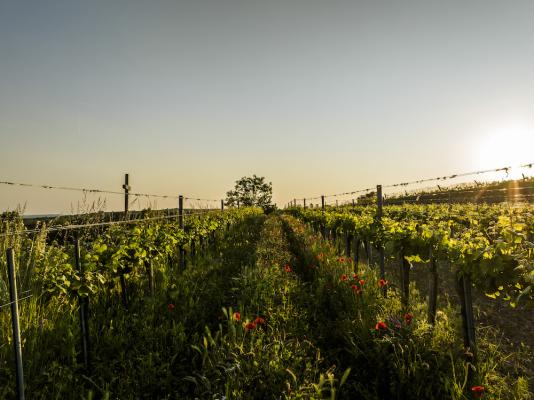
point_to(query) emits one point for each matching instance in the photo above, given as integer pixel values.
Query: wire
(103, 191)
(97, 224)
(13, 302)
(440, 178)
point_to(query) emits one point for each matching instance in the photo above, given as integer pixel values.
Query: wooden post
(222, 205)
(181, 226)
(13, 298)
(382, 257)
(433, 292)
(304, 203)
(84, 307)
(126, 188)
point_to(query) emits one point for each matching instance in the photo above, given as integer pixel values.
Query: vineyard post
(468, 321)
(433, 293)
(348, 243)
(405, 279)
(222, 205)
(84, 307)
(126, 188)
(380, 203)
(324, 225)
(13, 298)
(181, 226)
(304, 203)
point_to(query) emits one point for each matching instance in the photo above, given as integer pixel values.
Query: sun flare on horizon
(507, 146)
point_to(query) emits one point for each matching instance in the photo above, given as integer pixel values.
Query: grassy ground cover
(272, 312)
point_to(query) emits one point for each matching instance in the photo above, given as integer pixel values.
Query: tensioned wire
(58, 228)
(103, 191)
(439, 178)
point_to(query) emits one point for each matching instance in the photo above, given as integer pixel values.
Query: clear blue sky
(318, 96)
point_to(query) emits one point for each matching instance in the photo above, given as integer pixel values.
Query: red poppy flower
(478, 391)
(344, 277)
(355, 276)
(250, 326)
(361, 281)
(408, 318)
(259, 321)
(237, 316)
(341, 259)
(170, 306)
(381, 326)
(382, 283)
(287, 268)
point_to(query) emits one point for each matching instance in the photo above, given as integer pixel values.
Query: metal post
(13, 298)
(84, 305)
(181, 226)
(382, 257)
(126, 188)
(322, 208)
(433, 293)
(468, 321)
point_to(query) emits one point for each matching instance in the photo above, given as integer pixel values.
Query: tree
(251, 191)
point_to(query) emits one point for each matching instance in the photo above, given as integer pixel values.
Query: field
(298, 304)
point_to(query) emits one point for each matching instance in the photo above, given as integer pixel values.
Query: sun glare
(507, 146)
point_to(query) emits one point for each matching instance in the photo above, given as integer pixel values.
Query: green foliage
(251, 192)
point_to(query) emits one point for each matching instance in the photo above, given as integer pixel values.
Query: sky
(317, 96)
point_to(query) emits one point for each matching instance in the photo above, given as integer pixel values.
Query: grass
(267, 314)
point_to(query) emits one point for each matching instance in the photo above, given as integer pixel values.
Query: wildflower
(259, 321)
(355, 276)
(361, 281)
(382, 282)
(349, 259)
(478, 391)
(344, 277)
(170, 306)
(287, 268)
(356, 289)
(381, 326)
(250, 326)
(237, 316)
(408, 318)
(341, 259)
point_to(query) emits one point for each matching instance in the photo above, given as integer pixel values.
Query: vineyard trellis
(428, 226)
(202, 224)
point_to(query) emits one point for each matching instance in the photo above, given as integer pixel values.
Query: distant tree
(251, 191)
